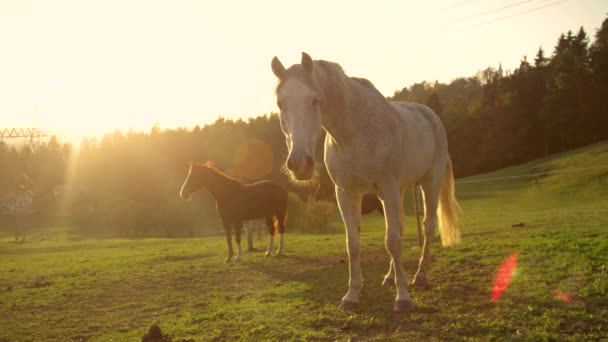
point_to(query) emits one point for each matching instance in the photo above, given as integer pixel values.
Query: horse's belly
(249, 211)
(408, 159)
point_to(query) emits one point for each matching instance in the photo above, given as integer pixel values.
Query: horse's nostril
(309, 161)
(290, 164)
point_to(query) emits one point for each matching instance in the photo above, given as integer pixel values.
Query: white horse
(371, 145)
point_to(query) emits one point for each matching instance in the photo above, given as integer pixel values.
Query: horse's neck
(222, 187)
(346, 117)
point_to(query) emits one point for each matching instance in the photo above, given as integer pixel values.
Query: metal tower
(31, 135)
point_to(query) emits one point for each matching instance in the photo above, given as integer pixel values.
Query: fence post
(415, 197)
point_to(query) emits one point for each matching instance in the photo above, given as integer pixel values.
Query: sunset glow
(72, 67)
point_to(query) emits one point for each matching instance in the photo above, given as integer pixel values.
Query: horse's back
(417, 114)
(264, 197)
(267, 187)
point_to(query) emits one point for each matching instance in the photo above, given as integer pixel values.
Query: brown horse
(237, 202)
(369, 202)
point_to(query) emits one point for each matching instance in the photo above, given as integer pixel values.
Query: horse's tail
(277, 225)
(448, 210)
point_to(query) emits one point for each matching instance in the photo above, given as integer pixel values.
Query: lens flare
(564, 297)
(253, 160)
(503, 277)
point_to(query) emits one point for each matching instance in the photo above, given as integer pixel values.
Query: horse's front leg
(389, 278)
(228, 230)
(350, 208)
(270, 225)
(391, 196)
(238, 227)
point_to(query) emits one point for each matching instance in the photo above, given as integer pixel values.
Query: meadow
(63, 285)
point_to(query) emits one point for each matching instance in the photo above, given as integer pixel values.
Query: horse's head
(198, 176)
(299, 99)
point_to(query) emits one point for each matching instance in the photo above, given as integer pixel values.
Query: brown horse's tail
(277, 225)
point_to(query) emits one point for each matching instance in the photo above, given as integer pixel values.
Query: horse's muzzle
(185, 195)
(301, 166)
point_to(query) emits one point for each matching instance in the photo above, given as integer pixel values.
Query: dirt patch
(154, 334)
(39, 283)
(173, 258)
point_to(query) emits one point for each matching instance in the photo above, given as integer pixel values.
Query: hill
(548, 216)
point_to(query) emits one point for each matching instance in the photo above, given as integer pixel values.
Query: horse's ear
(277, 68)
(210, 164)
(307, 62)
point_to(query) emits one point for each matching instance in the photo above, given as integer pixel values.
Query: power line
(516, 14)
(456, 5)
(490, 11)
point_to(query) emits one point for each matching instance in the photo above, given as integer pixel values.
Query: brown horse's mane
(210, 166)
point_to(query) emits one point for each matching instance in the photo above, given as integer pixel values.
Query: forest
(127, 183)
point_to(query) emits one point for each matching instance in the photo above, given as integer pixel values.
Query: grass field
(62, 286)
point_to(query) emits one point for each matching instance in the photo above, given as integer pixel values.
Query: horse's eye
(280, 105)
(315, 102)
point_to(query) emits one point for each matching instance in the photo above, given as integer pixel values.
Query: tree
(540, 60)
(598, 54)
(434, 103)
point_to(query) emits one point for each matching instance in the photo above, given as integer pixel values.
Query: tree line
(548, 104)
(128, 183)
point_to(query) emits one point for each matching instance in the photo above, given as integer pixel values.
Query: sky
(88, 67)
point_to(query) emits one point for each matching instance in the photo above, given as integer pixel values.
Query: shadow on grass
(325, 281)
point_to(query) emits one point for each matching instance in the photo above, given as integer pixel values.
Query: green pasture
(64, 285)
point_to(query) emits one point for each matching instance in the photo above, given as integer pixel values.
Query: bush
(308, 216)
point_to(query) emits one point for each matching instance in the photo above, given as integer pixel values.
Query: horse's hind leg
(238, 227)
(270, 225)
(227, 229)
(249, 227)
(393, 207)
(430, 188)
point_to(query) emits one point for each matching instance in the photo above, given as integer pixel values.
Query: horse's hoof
(267, 254)
(279, 253)
(227, 261)
(388, 282)
(403, 306)
(348, 305)
(237, 260)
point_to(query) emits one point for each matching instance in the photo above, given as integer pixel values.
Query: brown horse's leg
(238, 227)
(249, 229)
(270, 225)
(281, 219)
(379, 206)
(228, 229)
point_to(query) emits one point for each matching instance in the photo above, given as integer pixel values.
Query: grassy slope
(58, 286)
